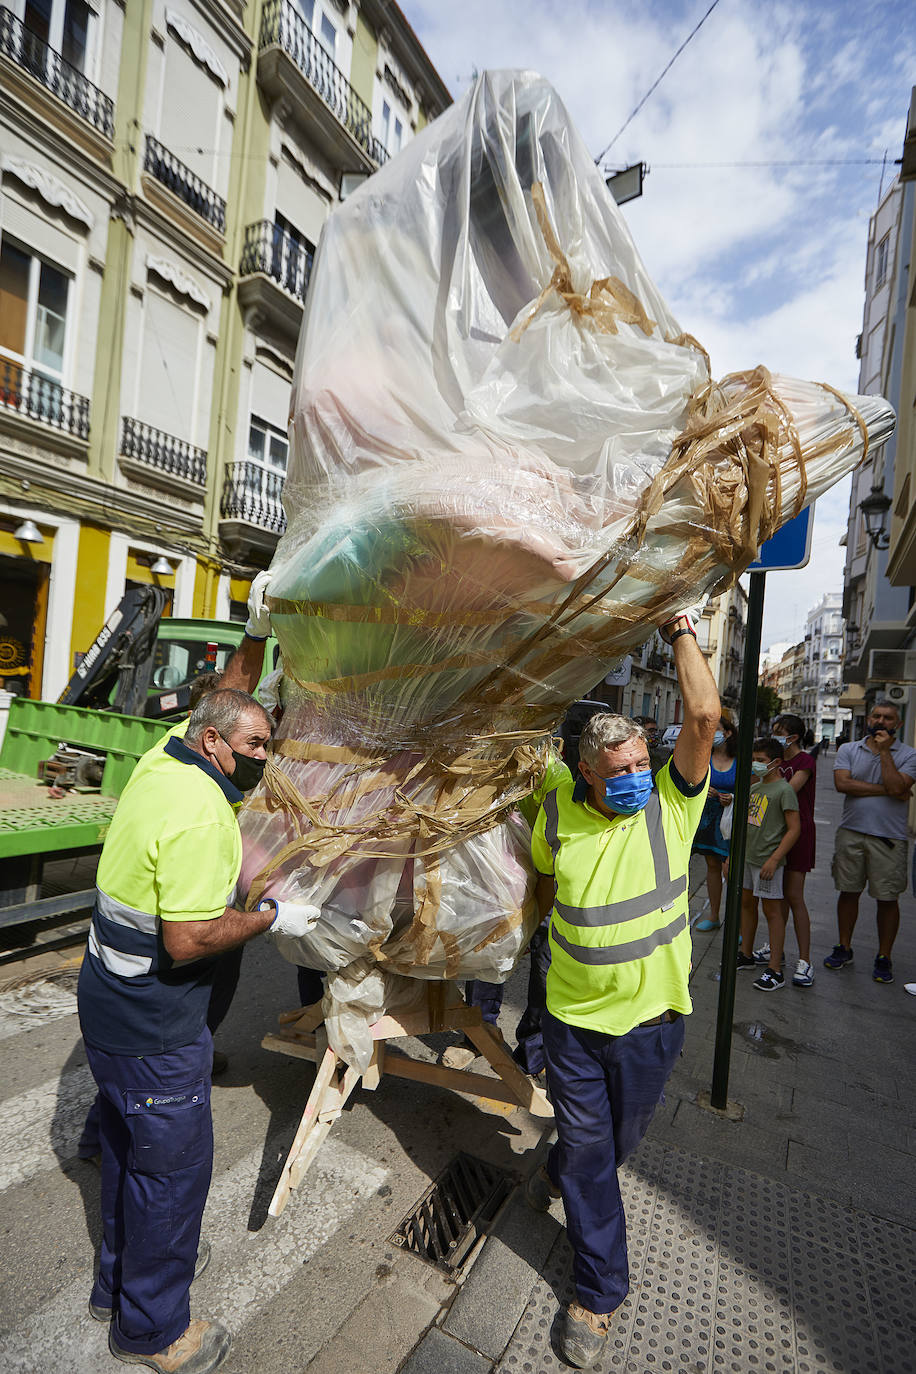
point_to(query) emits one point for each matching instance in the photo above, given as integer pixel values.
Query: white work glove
(292, 918)
(268, 690)
(257, 626)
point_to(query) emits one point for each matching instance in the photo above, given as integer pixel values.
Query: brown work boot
(202, 1348)
(583, 1335)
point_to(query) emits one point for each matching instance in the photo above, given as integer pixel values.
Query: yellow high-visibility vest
(619, 930)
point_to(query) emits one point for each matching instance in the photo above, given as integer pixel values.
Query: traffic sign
(790, 546)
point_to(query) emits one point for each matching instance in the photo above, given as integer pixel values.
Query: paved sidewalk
(782, 1242)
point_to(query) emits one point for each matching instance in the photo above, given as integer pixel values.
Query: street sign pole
(746, 725)
(789, 548)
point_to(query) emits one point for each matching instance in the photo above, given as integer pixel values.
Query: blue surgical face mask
(759, 769)
(718, 737)
(781, 739)
(628, 792)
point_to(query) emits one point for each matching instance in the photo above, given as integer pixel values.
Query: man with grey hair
(163, 912)
(612, 850)
(876, 776)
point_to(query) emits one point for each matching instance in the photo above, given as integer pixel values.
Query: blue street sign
(790, 546)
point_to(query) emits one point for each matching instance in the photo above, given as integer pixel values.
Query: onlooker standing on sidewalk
(709, 840)
(773, 830)
(876, 775)
(798, 768)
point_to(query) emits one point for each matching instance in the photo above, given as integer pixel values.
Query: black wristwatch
(683, 625)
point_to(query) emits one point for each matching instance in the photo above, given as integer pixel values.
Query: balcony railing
(32, 53)
(252, 493)
(184, 183)
(272, 250)
(283, 25)
(163, 451)
(378, 151)
(39, 398)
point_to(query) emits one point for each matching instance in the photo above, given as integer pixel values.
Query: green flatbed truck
(36, 825)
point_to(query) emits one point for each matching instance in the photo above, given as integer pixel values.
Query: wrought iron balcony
(252, 494)
(379, 152)
(31, 53)
(273, 251)
(184, 183)
(164, 452)
(283, 26)
(36, 397)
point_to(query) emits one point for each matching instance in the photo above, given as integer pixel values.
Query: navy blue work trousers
(156, 1135)
(604, 1090)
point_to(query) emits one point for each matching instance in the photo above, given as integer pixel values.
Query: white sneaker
(803, 976)
(910, 988)
(762, 954)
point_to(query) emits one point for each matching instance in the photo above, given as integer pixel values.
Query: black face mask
(873, 729)
(248, 771)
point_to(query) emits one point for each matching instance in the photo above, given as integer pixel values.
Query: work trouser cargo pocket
(170, 1129)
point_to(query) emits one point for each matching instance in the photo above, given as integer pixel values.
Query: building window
(386, 123)
(328, 35)
(882, 253)
(33, 310)
(62, 26)
(267, 446)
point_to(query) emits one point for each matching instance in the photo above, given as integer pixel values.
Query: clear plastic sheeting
(508, 464)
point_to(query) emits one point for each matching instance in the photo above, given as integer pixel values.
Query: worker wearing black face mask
(162, 914)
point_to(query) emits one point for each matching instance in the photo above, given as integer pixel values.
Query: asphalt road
(320, 1288)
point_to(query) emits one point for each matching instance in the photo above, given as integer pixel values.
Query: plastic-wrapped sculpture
(508, 464)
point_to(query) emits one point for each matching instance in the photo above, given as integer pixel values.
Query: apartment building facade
(878, 594)
(166, 167)
(821, 684)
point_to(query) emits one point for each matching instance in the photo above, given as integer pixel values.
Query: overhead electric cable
(658, 80)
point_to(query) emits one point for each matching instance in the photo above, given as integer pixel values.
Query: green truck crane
(140, 659)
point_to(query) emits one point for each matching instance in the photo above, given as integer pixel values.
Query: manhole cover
(454, 1211)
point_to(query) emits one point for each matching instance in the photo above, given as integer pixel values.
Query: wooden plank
(373, 1075)
(417, 1022)
(534, 1099)
(304, 1018)
(308, 1127)
(459, 1080)
(283, 1046)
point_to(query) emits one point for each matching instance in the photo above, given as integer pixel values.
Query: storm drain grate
(461, 1204)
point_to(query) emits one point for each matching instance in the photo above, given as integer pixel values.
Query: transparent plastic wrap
(508, 464)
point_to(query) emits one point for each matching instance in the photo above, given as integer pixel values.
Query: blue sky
(764, 264)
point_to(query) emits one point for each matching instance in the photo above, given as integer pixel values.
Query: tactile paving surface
(732, 1273)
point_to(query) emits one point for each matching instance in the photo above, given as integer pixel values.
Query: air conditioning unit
(898, 693)
(892, 665)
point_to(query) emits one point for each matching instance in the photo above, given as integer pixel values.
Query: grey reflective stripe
(124, 965)
(630, 909)
(653, 815)
(621, 954)
(665, 892)
(552, 823)
(124, 915)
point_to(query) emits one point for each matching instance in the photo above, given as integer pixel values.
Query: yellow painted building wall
(89, 597)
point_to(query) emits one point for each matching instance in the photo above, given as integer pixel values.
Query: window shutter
(170, 344)
(189, 112)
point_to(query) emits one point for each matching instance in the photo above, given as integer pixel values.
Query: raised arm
(702, 708)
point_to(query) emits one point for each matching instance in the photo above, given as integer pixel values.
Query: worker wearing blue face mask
(612, 850)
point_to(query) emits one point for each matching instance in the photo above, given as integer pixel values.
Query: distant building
(878, 581)
(823, 663)
(721, 634)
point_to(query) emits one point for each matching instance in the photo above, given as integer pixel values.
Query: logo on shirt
(757, 808)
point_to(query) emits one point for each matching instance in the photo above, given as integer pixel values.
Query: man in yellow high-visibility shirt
(612, 850)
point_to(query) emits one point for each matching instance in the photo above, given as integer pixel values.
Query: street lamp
(875, 507)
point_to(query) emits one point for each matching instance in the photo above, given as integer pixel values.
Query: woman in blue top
(708, 840)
